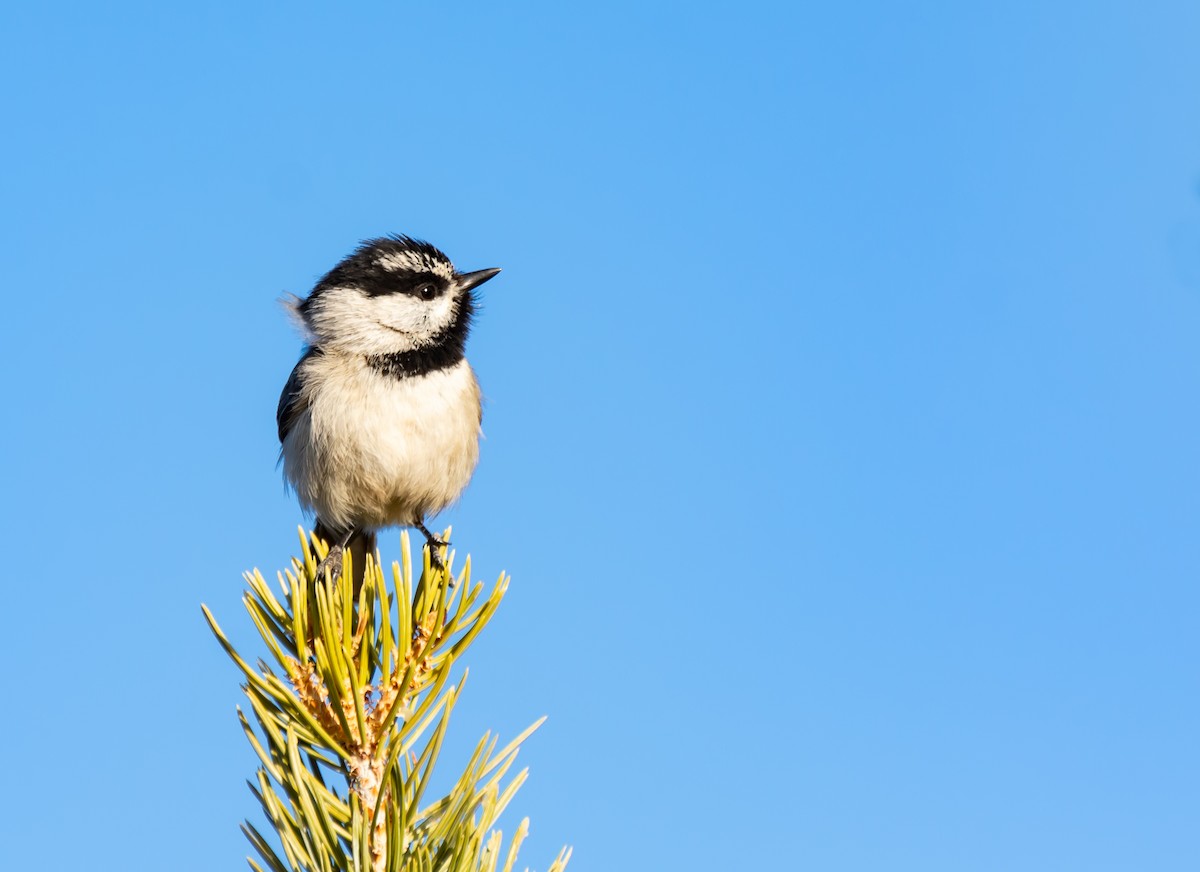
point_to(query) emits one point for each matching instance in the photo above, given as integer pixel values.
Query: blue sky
(841, 413)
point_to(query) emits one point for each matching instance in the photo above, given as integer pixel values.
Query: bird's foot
(435, 553)
(331, 564)
(435, 545)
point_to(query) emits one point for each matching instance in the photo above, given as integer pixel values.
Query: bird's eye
(427, 292)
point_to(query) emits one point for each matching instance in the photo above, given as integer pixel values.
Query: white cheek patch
(348, 319)
(341, 318)
(420, 319)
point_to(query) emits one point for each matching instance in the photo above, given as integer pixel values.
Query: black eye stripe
(409, 283)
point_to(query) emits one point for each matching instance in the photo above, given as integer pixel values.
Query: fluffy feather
(372, 451)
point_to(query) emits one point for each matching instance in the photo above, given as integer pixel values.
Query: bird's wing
(292, 401)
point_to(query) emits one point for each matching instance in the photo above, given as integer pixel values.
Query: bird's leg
(333, 560)
(435, 556)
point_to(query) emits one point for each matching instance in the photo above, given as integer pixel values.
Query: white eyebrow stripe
(414, 261)
(402, 260)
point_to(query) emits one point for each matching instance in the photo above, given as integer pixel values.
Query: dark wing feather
(292, 402)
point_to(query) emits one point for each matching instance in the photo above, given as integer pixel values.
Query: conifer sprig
(351, 715)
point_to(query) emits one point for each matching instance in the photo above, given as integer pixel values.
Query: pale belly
(378, 451)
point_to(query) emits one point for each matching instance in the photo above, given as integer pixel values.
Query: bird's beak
(466, 281)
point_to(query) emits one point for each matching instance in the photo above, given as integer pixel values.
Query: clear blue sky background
(841, 429)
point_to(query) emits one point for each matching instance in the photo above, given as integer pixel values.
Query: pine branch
(351, 714)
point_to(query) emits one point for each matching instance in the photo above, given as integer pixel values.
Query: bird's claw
(435, 554)
(435, 543)
(331, 564)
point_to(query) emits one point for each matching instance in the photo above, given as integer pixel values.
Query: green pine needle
(365, 692)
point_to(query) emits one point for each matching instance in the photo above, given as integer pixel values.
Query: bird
(380, 420)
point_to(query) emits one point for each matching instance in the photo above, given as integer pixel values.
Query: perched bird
(379, 422)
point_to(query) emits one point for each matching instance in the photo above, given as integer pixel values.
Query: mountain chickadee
(380, 420)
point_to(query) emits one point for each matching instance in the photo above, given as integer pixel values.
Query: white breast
(374, 451)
